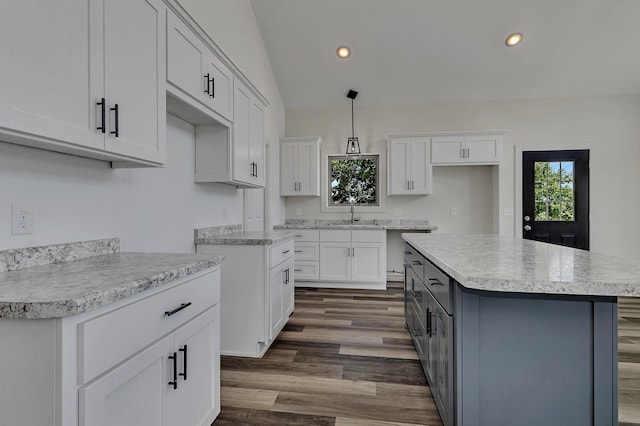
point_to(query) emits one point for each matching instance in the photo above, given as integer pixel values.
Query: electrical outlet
(21, 219)
(298, 211)
(454, 211)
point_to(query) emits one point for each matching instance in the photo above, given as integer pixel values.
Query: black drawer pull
(434, 281)
(286, 251)
(298, 235)
(417, 262)
(178, 309)
(297, 270)
(407, 252)
(297, 251)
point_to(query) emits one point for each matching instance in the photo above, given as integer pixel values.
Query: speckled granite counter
(69, 279)
(234, 235)
(505, 264)
(387, 224)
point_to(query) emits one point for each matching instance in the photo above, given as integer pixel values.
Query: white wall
(608, 125)
(148, 209)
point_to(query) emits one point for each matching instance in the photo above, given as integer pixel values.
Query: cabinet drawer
(335, 235)
(415, 260)
(307, 234)
(439, 284)
(307, 270)
(307, 251)
(369, 236)
(108, 339)
(280, 252)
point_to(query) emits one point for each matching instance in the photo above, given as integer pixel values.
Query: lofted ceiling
(425, 51)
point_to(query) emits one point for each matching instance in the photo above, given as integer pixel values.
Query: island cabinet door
(135, 393)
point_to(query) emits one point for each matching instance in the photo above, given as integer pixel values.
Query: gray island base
(515, 332)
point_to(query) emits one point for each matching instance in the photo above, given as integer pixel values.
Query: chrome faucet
(353, 219)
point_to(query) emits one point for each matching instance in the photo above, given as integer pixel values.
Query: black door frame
(577, 232)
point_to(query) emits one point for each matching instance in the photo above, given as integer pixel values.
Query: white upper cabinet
(467, 148)
(408, 165)
(234, 155)
(195, 75)
(71, 55)
(300, 166)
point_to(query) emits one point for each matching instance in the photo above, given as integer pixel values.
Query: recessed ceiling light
(343, 52)
(513, 39)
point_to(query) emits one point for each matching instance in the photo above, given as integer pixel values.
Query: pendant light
(353, 145)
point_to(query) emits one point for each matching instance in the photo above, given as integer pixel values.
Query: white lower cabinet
(185, 364)
(117, 365)
(341, 258)
(257, 295)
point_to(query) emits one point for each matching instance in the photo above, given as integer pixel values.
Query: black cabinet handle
(434, 281)
(417, 262)
(286, 251)
(213, 87)
(428, 322)
(174, 383)
(116, 109)
(407, 252)
(102, 127)
(184, 362)
(297, 270)
(207, 82)
(178, 309)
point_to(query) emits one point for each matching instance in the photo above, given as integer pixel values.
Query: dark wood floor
(345, 358)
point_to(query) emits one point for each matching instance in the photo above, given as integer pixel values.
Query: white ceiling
(424, 51)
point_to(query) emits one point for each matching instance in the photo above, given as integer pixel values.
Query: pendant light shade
(353, 145)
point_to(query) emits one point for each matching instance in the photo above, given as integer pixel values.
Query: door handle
(527, 227)
(184, 362)
(174, 383)
(116, 110)
(102, 104)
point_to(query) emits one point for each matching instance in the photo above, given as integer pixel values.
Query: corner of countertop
(15, 259)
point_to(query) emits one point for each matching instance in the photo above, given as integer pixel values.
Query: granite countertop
(507, 264)
(384, 224)
(233, 235)
(69, 279)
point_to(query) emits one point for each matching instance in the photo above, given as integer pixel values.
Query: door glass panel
(554, 191)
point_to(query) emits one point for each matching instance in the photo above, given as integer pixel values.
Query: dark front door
(555, 197)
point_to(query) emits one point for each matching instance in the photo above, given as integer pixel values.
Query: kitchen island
(516, 332)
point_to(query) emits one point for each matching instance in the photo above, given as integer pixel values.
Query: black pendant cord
(352, 127)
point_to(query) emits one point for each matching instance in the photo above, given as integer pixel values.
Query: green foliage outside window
(554, 192)
(353, 180)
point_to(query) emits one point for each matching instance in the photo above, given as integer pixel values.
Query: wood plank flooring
(629, 361)
(345, 358)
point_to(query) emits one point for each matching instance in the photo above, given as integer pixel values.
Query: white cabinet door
(288, 169)
(256, 142)
(420, 165)
(186, 58)
(368, 262)
(447, 149)
(399, 171)
(335, 261)
(46, 72)
(197, 398)
(134, 77)
(135, 393)
(288, 292)
(242, 167)
(484, 149)
(300, 165)
(218, 88)
(409, 166)
(277, 278)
